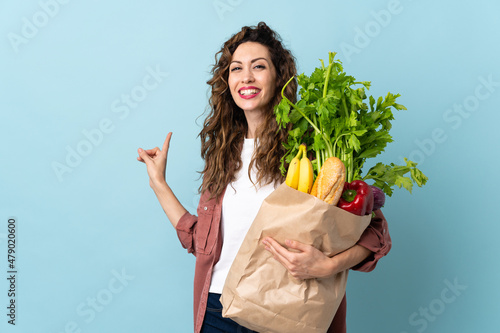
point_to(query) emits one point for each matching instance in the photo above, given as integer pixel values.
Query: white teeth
(249, 91)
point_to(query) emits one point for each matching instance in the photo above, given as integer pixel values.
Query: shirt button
(205, 208)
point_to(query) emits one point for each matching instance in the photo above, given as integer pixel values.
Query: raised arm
(156, 163)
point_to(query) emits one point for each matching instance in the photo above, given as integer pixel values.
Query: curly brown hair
(225, 126)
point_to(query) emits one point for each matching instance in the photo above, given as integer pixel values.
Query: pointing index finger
(166, 144)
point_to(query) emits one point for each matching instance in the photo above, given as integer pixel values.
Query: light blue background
(101, 219)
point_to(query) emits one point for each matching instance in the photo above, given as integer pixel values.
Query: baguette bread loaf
(330, 181)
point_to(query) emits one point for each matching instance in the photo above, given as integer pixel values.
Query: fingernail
(288, 242)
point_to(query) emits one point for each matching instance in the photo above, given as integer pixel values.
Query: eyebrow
(253, 60)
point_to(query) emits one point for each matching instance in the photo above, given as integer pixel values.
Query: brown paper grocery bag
(260, 294)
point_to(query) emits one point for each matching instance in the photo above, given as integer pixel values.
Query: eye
(260, 66)
(235, 68)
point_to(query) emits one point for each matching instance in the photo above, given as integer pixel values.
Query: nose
(247, 76)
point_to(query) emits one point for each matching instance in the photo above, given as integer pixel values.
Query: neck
(254, 119)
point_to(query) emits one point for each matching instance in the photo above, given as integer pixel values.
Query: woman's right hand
(156, 162)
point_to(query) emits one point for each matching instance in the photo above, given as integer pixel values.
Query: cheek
(273, 83)
(272, 86)
(231, 81)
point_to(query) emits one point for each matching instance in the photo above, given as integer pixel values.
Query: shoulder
(208, 199)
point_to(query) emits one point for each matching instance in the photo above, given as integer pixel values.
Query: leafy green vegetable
(332, 118)
(385, 176)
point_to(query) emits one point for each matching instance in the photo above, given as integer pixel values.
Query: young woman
(241, 147)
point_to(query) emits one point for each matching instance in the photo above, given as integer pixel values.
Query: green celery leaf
(359, 132)
(403, 181)
(282, 110)
(354, 142)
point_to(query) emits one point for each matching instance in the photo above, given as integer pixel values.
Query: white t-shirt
(240, 205)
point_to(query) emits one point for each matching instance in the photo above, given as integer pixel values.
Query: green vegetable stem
(332, 118)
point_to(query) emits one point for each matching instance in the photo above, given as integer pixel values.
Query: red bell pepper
(357, 198)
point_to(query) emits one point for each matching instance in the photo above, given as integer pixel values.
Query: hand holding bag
(260, 294)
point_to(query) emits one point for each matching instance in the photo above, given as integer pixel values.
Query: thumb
(296, 245)
(143, 155)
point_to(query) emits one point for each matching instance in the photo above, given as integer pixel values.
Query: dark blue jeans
(215, 323)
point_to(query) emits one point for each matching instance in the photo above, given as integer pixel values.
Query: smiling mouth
(249, 92)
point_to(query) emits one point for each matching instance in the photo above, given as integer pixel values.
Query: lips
(248, 92)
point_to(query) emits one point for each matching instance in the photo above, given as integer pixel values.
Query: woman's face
(252, 78)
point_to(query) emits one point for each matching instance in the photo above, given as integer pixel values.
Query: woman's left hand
(306, 262)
